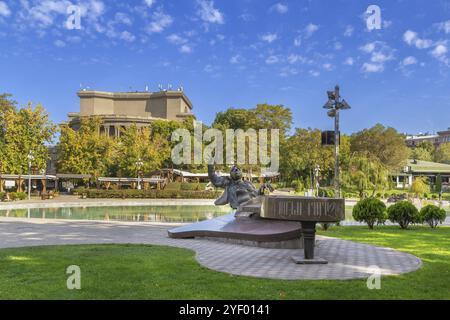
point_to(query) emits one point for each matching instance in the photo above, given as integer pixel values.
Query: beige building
(121, 109)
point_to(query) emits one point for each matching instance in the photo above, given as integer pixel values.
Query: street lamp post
(335, 104)
(30, 159)
(139, 165)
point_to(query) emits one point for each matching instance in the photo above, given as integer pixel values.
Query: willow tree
(365, 172)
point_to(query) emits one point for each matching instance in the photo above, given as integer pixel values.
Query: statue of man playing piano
(237, 191)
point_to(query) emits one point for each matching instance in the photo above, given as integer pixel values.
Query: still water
(173, 214)
(126, 213)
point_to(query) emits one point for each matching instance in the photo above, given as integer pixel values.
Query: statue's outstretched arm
(216, 180)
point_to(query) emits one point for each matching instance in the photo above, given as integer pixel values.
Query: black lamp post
(335, 104)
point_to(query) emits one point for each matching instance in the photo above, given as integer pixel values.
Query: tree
(140, 144)
(442, 154)
(432, 215)
(420, 186)
(420, 153)
(26, 130)
(404, 213)
(365, 172)
(384, 143)
(234, 119)
(370, 211)
(438, 186)
(85, 151)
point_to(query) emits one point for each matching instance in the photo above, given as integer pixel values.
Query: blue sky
(237, 53)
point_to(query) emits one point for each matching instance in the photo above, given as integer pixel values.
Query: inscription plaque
(303, 209)
(308, 211)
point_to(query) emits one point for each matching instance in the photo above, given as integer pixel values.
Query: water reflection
(135, 214)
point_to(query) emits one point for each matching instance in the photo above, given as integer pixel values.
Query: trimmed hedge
(404, 213)
(151, 194)
(432, 215)
(370, 211)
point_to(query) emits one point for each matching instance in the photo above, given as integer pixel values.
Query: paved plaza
(347, 259)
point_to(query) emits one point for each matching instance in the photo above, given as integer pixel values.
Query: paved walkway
(347, 260)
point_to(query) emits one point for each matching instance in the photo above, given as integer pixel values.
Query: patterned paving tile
(347, 259)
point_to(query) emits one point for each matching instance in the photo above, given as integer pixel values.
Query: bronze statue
(237, 191)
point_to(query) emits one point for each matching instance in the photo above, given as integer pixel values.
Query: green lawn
(153, 272)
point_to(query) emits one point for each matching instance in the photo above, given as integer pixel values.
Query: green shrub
(173, 186)
(151, 194)
(404, 213)
(432, 215)
(370, 211)
(18, 196)
(190, 186)
(298, 185)
(2, 195)
(326, 192)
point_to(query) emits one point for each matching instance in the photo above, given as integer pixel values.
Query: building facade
(118, 110)
(436, 139)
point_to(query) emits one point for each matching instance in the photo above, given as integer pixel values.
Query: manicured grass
(154, 272)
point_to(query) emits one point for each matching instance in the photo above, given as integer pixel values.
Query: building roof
(134, 95)
(420, 166)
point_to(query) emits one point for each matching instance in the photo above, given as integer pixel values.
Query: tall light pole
(335, 104)
(30, 158)
(139, 165)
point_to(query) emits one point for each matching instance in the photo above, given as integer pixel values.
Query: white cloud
(185, 48)
(372, 68)
(235, 59)
(411, 38)
(160, 21)
(269, 37)
(4, 9)
(280, 8)
(380, 53)
(348, 31)
(38, 14)
(314, 73)
(272, 60)
(349, 61)
(208, 13)
(310, 30)
(59, 43)
(149, 3)
(440, 50)
(176, 39)
(369, 47)
(123, 18)
(328, 66)
(444, 26)
(337, 46)
(127, 36)
(408, 61)
(440, 53)
(294, 58)
(298, 41)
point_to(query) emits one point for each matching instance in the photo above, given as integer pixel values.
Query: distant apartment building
(119, 110)
(436, 139)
